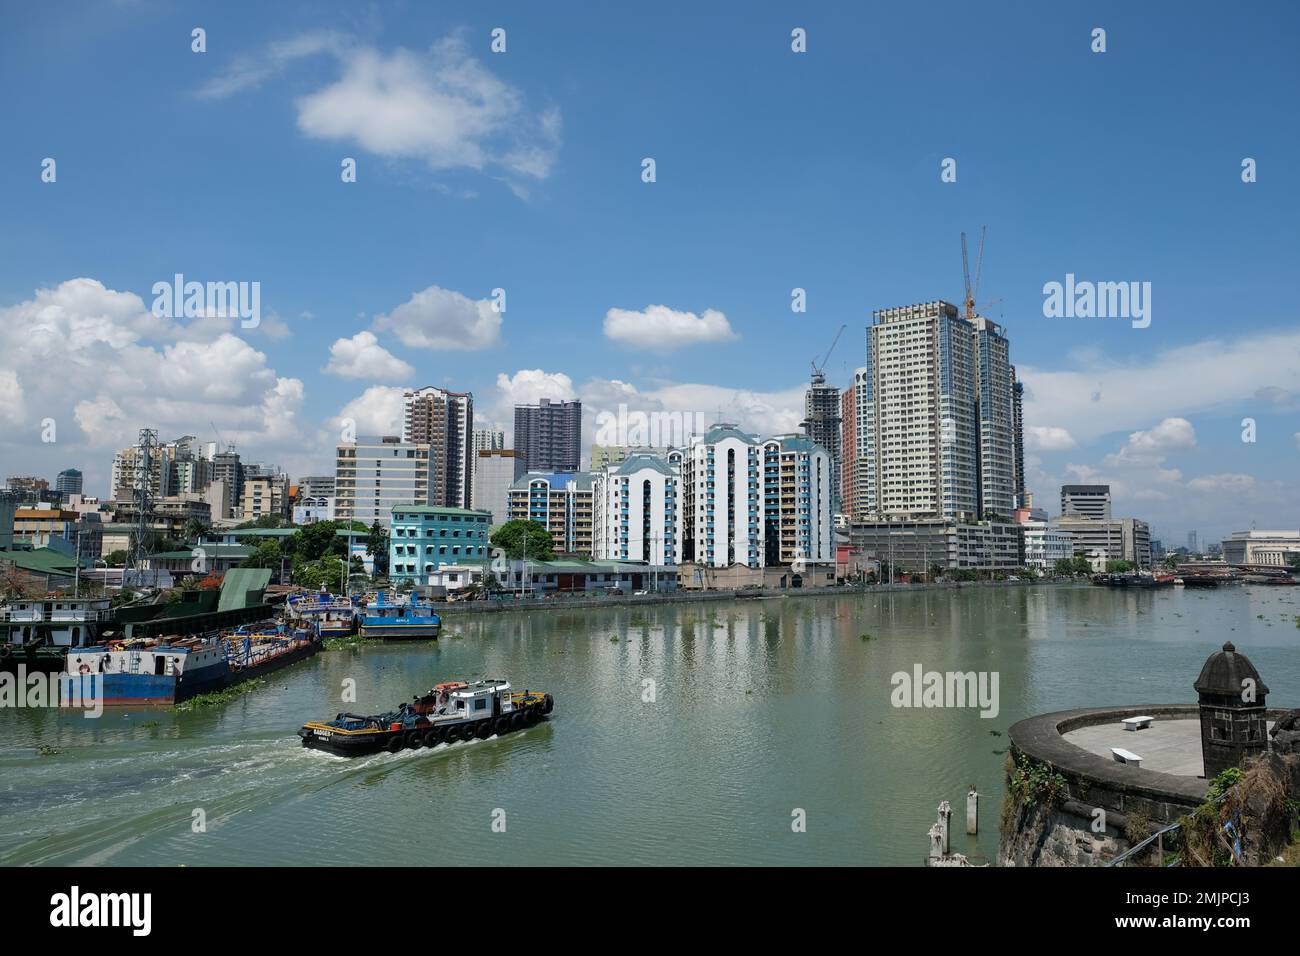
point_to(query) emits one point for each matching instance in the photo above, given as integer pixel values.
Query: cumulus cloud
(376, 411)
(661, 329)
(438, 318)
(130, 370)
(363, 357)
(1048, 438)
(441, 107)
(1152, 446)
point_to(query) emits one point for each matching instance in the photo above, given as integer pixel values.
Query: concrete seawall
(1134, 801)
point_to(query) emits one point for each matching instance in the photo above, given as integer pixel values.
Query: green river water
(761, 707)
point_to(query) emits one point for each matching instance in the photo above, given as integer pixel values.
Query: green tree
(1119, 567)
(512, 536)
(377, 547)
(1294, 560)
(195, 529)
(116, 559)
(265, 555)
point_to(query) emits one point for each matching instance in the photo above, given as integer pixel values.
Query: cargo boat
(147, 673)
(450, 712)
(333, 616)
(403, 619)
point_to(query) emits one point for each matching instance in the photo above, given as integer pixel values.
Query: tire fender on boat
(395, 744)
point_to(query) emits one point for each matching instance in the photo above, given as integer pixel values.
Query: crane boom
(818, 369)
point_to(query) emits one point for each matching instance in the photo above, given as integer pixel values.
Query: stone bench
(1125, 756)
(1137, 723)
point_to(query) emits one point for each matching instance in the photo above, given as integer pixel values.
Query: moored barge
(450, 712)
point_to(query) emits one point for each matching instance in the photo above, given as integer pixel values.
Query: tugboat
(450, 712)
(401, 619)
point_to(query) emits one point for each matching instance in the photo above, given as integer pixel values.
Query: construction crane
(971, 293)
(818, 371)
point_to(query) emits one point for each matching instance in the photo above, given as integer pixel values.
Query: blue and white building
(424, 537)
(798, 502)
(636, 509)
(722, 516)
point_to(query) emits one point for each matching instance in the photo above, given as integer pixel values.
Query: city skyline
(673, 295)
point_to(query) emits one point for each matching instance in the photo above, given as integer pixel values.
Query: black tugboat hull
(364, 743)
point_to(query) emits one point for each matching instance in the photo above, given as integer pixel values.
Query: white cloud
(99, 364)
(661, 329)
(251, 71)
(1048, 438)
(363, 357)
(437, 318)
(1152, 447)
(1101, 396)
(1227, 483)
(376, 411)
(444, 108)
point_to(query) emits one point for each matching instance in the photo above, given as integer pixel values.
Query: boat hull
(402, 631)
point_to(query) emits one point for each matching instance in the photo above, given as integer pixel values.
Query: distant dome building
(1234, 725)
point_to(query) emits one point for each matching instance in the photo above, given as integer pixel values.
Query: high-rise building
(495, 470)
(821, 425)
(1018, 423)
(228, 469)
(995, 427)
(548, 435)
(67, 483)
(797, 481)
(1192, 543)
(559, 501)
(1086, 501)
(375, 473)
(636, 510)
(443, 420)
(721, 510)
(858, 470)
(921, 368)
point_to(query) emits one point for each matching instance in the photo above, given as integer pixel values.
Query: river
(758, 709)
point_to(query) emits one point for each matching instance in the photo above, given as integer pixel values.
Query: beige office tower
(921, 362)
(444, 421)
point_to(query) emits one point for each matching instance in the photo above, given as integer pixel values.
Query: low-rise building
(424, 537)
(1270, 548)
(1113, 539)
(923, 545)
(1045, 544)
(311, 510)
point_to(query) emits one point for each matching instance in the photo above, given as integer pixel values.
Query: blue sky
(522, 171)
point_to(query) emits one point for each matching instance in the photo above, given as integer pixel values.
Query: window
(480, 703)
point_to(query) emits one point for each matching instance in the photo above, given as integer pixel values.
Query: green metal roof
(41, 561)
(243, 587)
(636, 462)
(211, 550)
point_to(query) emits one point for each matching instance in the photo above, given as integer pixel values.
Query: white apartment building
(722, 516)
(858, 470)
(374, 473)
(636, 510)
(1046, 544)
(797, 494)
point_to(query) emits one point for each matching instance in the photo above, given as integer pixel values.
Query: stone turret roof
(1224, 672)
